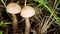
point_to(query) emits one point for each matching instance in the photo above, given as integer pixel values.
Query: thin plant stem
(48, 18)
(25, 2)
(47, 26)
(3, 3)
(55, 3)
(52, 13)
(41, 24)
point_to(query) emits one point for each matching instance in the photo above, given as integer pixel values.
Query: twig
(46, 27)
(3, 3)
(25, 2)
(21, 20)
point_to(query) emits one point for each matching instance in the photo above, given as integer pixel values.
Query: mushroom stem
(14, 23)
(27, 26)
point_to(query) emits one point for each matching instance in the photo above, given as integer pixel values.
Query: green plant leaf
(41, 1)
(2, 24)
(57, 19)
(1, 32)
(51, 10)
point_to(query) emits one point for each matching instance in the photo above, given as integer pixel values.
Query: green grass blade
(1, 32)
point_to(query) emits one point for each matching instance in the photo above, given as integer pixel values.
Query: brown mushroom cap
(27, 11)
(13, 8)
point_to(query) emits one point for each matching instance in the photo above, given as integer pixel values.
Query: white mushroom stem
(27, 30)
(14, 22)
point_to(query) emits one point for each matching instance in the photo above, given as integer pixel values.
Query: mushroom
(13, 8)
(26, 13)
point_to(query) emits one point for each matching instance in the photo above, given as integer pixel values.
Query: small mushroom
(26, 13)
(13, 8)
